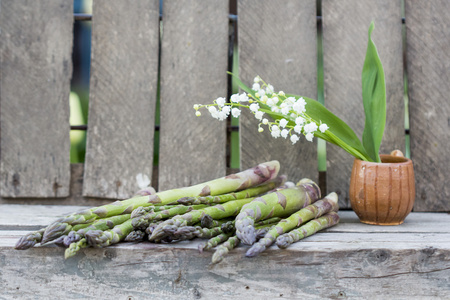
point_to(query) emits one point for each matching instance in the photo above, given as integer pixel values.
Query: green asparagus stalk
(235, 182)
(261, 228)
(143, 210)
(191, 232)
(224, 248)
(214, 241)
(73, 248)
(100, 239)
(219, 211)
(29, 240)
(247, 193)
(269, 221)
(313, 226)
(143, 222)
(151, 227)
(231, 243)
(278, 204)
(261, 232)
(228, 227)
(101, 224)
(208, 222)
(135, 236)
(60, 241)
(313, 211)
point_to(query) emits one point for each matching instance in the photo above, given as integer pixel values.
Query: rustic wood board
(125, 39)
(36, 67)
(75, 196)
(345, 34)
(193, 70)
(339, 262)
(428, 65)
(278, 41)
(162, 272)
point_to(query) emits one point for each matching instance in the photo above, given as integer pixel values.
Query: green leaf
(344, 136)
(374, 100)
(242, 85)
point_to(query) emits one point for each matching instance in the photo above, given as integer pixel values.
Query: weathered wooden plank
(354, 267)
(414, 223)
(35, 76)
(75, 196)
(428, 65)
(193, 70)
(277, 41)
(345, 33)
(124, 70)
(349, 261)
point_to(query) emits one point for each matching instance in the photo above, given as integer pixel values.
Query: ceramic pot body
(382, 193)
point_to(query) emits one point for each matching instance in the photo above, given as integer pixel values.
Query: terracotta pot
(382, 193)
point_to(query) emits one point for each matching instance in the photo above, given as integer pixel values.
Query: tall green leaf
(374, 99)
(344, 136)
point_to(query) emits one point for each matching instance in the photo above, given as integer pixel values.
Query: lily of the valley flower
(290, 118)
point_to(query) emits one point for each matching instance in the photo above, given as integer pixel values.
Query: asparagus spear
(78, 231)
(144, 210)
(29, 240)
(278, 204)
(261, 226)
(313, 226)
(224, 248)
(261, 232)
(60, 241)
(214, 241)
(228, 227)
(219, 211)
(208, 222)
(191, 232)
(247, 193)
(75, 247)
(100, 239)
(313, 211)
(135, 236)
(151, 227)
(235, 182)
(101, 224)
(269, 221)
(142, 222)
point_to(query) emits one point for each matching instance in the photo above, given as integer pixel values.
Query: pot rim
(391, 160)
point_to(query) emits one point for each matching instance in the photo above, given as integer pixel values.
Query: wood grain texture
(341, 262)
(345, 36)
(75, 196)
(36, 66)
(428, 65)
(193, 70)
(124, 70)
(277, 41)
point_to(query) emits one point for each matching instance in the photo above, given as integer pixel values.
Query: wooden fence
(277, 40)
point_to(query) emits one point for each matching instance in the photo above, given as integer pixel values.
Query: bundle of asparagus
(247, 206)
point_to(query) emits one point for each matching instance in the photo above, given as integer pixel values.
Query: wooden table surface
(350, 260)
